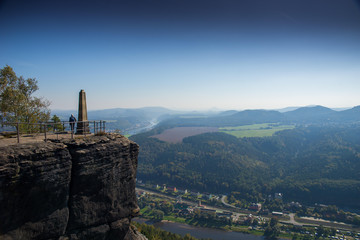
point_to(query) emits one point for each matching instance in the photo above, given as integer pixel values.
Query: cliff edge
(69, 189)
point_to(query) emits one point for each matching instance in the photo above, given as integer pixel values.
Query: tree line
(307, 164)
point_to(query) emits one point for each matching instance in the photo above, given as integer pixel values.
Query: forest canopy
(310, 164)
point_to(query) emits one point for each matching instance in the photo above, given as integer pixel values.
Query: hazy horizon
(211, 109)
(197, 55)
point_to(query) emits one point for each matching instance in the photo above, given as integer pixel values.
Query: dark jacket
(72, 119)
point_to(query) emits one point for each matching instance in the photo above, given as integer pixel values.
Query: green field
(255, 130)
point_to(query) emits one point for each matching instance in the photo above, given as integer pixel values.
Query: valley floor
(240, 219)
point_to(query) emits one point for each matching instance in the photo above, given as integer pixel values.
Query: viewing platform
(16, 133)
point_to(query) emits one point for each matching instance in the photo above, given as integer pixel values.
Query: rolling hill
(307, 164)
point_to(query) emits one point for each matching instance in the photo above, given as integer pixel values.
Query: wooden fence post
(18, 132)
(45, 131)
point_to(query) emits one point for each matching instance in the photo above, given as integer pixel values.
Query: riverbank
(199, 232)
(159, 205)
(226, 228)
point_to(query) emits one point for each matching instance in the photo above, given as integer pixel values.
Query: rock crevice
(69, 189)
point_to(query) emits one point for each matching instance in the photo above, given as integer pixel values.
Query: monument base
(82, 128)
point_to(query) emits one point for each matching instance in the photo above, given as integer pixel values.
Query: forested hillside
(308, 164)
(303, 115)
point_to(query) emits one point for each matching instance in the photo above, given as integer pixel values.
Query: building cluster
(191, 210)
(184, 209)
(255, 207)
(278, 196)
(175, 190)
(179, 193)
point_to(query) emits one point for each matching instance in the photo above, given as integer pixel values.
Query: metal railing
(62, 128)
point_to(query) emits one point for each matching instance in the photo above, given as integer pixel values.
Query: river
(199, 232)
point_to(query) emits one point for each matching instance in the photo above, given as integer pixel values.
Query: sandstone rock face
(70, 189)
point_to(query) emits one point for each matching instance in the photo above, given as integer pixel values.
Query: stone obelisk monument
(82, 124)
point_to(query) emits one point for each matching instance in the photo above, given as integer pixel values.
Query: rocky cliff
(69, 189)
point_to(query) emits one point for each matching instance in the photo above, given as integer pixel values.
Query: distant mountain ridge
(319, 114)
(158, 112)
(134, 120)
(302, 115)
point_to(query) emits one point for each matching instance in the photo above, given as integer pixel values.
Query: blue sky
(186, 54)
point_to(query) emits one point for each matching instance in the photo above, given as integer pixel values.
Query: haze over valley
(235, 115)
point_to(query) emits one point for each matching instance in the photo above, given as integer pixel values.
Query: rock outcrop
(69, 189)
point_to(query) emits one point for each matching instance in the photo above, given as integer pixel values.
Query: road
(165, 196)
(237, 214)
(226, 204)
(187, 201)
(292, 220)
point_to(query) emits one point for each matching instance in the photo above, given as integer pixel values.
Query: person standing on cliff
(72, 121)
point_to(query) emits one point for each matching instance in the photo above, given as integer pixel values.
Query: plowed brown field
(176, 135)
